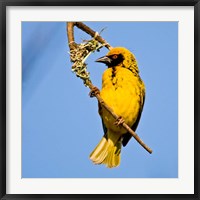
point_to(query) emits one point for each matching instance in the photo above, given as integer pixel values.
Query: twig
(73, 45)
(88, 30)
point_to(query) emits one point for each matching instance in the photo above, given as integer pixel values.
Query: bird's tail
(107, 151)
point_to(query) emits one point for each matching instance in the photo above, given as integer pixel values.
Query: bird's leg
(119, 121)
(94, 91)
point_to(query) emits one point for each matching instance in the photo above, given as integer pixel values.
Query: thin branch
(103, 104)
(72, 45)
(70, 35)
(88, 30)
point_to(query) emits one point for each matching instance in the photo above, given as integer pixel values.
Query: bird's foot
(94, 91)
(119, 121)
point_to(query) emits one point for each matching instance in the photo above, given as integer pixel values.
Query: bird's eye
(115, 56)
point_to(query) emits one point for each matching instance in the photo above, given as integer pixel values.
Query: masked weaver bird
(124, 91)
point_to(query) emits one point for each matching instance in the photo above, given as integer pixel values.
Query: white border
(182, 185)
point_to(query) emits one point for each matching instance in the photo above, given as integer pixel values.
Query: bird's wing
(104, 127)
(127, 136)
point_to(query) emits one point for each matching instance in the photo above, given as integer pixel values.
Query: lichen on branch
(79, 55)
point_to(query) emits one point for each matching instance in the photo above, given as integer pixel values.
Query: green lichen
(79, 56)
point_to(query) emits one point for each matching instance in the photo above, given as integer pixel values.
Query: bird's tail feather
(107, 151)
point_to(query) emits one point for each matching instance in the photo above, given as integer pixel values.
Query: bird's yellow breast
(121, 90)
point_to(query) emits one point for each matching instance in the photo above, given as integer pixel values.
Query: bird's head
(121, 57)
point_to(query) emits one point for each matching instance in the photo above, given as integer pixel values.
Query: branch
(72, 46)
(88, 30)
(70, 35)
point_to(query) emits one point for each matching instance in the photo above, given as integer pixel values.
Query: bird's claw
(94, 91)
(119, 121)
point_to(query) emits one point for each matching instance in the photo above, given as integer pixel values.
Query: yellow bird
(124, 91)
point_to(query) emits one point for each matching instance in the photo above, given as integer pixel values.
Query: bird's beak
(105, 60)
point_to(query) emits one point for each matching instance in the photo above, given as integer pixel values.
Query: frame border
(5, 3)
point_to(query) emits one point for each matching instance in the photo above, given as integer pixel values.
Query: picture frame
(3, 99)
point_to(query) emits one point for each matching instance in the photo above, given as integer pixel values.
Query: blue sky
(60, 123)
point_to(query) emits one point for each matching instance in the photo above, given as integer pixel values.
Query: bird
(124, 92)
